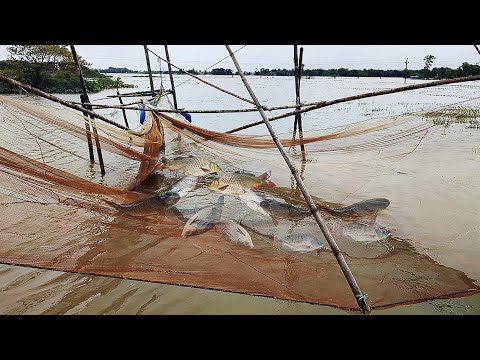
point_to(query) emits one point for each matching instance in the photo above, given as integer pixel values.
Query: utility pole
(406, 63)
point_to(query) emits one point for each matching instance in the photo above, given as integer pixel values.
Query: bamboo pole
(86, 100)
(123, 110)
(297, 95)
(171, 78)
(87, 123)
(298, 115)
(95, 135)
(152, 88)
(138, 93)
(204, 81)
(127, 107)
(477, 49)
(361, 298)
(361, 96)
(69, 104)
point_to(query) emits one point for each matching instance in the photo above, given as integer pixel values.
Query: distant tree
(428, 61)
(40, 57)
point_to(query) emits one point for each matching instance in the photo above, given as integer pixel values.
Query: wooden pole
(149, 70)
(86, 100)
(297, 99)
(477, 49)
(361, 298)
(127, 106)
(123, 110)
(69, 104)
(405, 76)
(89, 137)
(299, 115)
(171, 78)
(87, 123)
(361, 96)
(137, 93)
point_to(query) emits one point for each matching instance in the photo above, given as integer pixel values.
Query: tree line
(465, 69)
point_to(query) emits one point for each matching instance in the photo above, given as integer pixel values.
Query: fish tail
(265, 175)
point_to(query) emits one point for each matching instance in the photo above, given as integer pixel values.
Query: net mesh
(57, 210)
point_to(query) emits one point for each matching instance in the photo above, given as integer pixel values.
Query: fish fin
(275, 219)
(269, 183)
(159, 166)
(205, 170)
(334, 228)
(265, 175)
(275, 240)
(221, 188)
(372, 219)
(161, 216)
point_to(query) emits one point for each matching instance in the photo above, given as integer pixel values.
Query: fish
(300, 242)
(237, 182)
(359, 231)
(235, 233)
(252, 200)
(185, 185)
(284, 210)
(150, 205)
(370, 207)
(204, 219)
(190, 166)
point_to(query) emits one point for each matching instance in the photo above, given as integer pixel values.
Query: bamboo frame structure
(174, 94)
(361, 298)
(204, 81)
(85, 100)
(123, 110)
(361, 96)
(152, 88)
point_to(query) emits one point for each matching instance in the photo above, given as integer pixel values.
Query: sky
(252, 57)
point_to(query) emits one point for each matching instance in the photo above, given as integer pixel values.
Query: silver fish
(204, 219)
(149, 205)
(253, 201)
(359, 231)
(284, 210)
(369, 207)
(300, 242)
(185, 185)
(235, 233)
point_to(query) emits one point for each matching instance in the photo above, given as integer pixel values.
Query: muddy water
(431, 187)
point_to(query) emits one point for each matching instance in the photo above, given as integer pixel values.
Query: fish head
(169, 198)
(214, 184)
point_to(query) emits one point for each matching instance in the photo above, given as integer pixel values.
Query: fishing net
(57, 210)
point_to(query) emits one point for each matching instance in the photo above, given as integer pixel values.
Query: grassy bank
(60, 79)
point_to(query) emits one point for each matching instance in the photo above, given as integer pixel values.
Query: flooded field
(421, 243)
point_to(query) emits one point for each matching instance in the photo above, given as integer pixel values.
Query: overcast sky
(251, 57)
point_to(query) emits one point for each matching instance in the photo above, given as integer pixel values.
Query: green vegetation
(454, 115)
(51, 68)
(426, 73)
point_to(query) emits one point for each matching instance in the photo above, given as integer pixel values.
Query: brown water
(429, 181)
